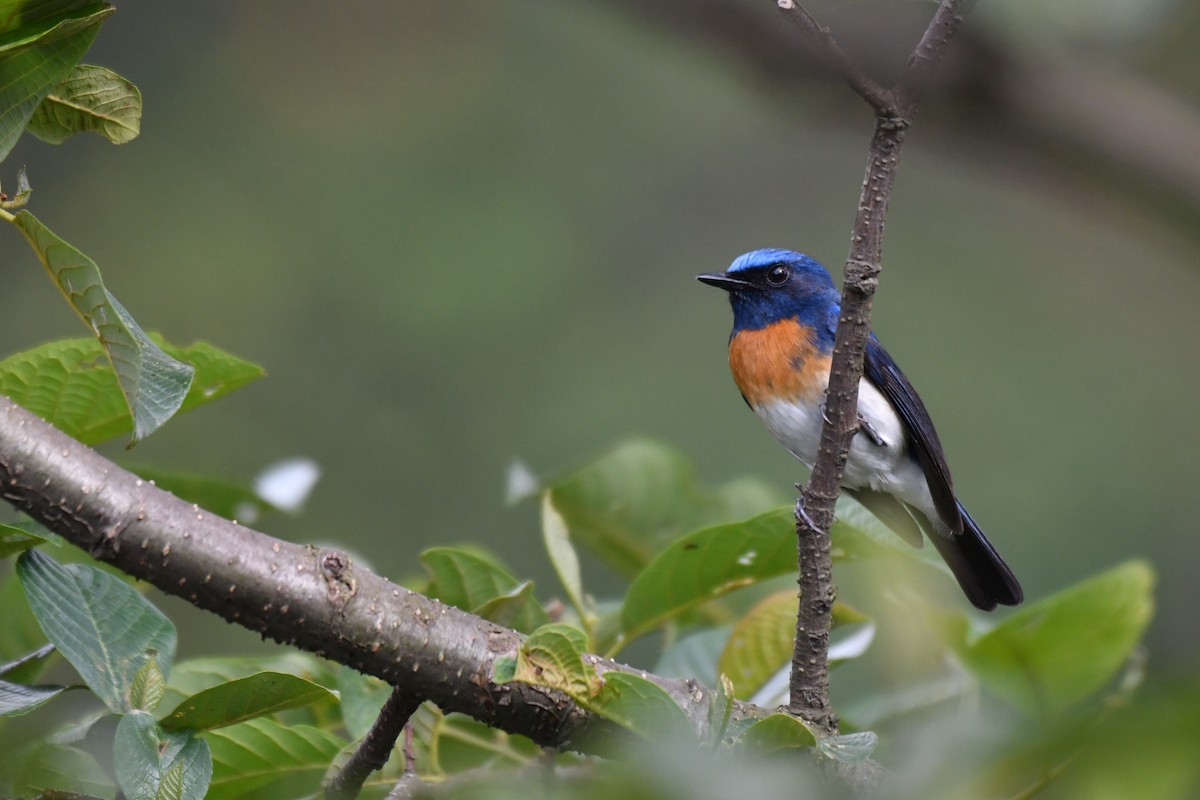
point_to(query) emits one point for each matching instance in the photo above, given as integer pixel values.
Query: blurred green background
(461, 235)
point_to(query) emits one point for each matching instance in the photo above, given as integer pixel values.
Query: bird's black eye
(778, 274)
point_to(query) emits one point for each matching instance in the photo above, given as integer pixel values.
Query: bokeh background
(463, 235)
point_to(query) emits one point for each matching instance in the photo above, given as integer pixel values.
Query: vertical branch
(809, 684)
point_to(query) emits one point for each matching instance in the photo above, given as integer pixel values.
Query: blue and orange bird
(785, 312)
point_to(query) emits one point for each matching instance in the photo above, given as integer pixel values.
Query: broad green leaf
(197, 674)
(694, 655)
(17, 699)
(1055, 653)
(260, 753)
(553, 656)
(37, 56)
(70, 384)
(148, 686)
(154, 384)
(362, 696)
(639, 706)
(19, 537)
(627, 504)
(563, 557)
(42, 765)
(100, 624)
(720, 711)
(90, 99)
(27, 667)
(706, 564)
(777, 732)
(242, 699)
(222, 497)
(153, 764)
(516, 608)
(474, 582)
(464, 743)
(761, 642)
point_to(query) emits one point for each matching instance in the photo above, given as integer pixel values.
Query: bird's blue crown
(808, 296)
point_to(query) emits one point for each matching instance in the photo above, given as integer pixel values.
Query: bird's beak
(723, 280)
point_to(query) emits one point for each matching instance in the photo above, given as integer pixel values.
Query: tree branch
(376, 747)
(311, 597)
(832, 54)
(809, 683)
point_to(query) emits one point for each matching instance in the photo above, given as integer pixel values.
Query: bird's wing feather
(881, 370)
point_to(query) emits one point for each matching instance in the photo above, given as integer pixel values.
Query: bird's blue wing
(881, 370)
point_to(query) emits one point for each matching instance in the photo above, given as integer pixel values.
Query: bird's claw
(802, 513)
(869, 430)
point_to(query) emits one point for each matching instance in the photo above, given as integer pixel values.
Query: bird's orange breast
(778, 362)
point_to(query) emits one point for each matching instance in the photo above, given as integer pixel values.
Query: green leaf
(70, 384)
(563, 557)
(761, 643)
(1056, 653)
(516, 608)
(17, 699)
(197, 674)
(153, 764)
(244, 698)
(148, 686)
(706, 564)
(777, 732)
(37, 56)
(362, 696)
(290, 759)
(101, 625)
(626, 505)
(90, 99)
(694, 655)
(720, 711)
(553, 656)
(476, 583)
(639, 706)
(42, 766)
(21, 536)
(154, 384)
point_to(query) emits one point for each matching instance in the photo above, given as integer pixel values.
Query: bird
(785, 313)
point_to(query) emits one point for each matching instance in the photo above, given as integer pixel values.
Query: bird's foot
(802, 513)
(869, 431)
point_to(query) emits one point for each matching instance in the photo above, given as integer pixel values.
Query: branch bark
(376, 747)
(311, 597)
(809, 681)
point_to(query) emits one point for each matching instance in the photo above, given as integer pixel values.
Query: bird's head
(766, 286)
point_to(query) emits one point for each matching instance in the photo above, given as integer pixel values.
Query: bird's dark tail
(979, 569)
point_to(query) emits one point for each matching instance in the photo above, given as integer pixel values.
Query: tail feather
(981, 572)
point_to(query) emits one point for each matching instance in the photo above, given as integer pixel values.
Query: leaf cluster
(704, 579)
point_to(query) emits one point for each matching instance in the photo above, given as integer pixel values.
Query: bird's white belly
(887, 467)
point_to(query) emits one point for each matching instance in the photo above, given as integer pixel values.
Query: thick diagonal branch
(315, 598)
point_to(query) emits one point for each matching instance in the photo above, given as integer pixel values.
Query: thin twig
(832, 53)
(809, 684)
(376, 747)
